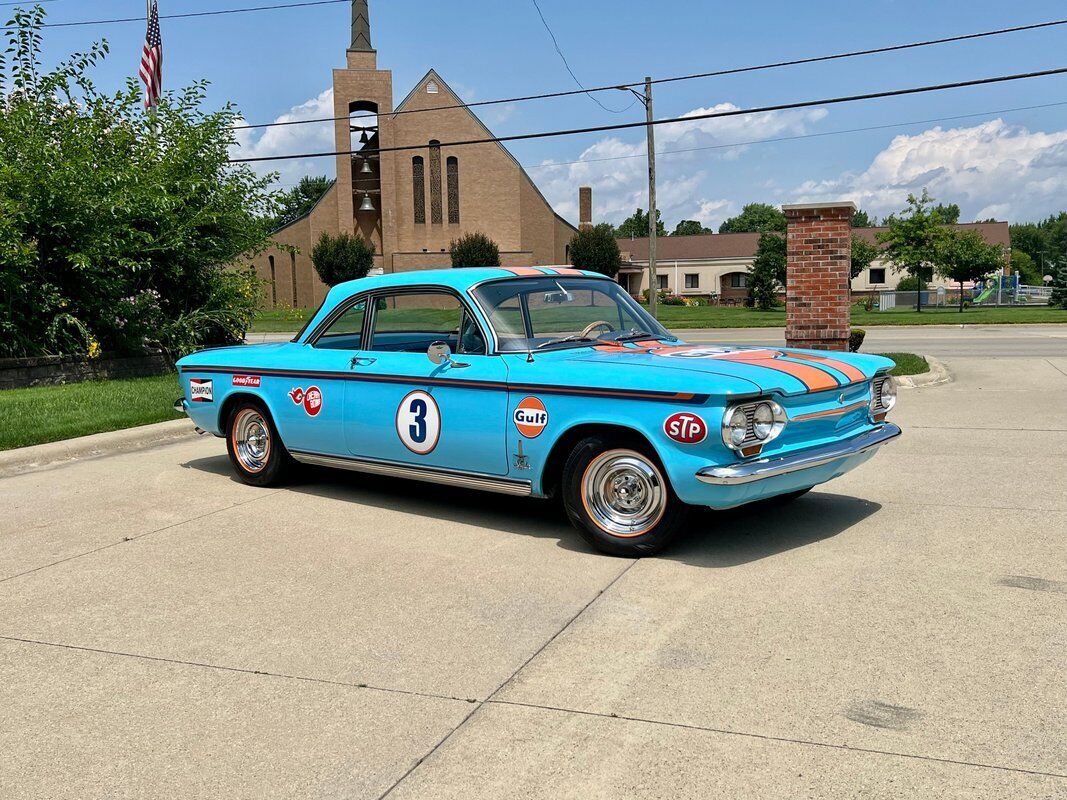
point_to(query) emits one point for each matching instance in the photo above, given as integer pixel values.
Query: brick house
(411, 204)
(717, 265)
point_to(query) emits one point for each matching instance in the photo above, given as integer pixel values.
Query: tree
(965, 256)
(636, 225)
(116, 226)
(768, 274)
(913, 239)
(863, 253)
(474, 250)
(1058, 299)
(1026, 268)
(299, 200)
(596, 249)
(946, 214)
(755, 218)
(689, 227)
(861, 219)
(341, 258)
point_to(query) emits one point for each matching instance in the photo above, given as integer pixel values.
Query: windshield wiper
(633, 335)
(563, 339)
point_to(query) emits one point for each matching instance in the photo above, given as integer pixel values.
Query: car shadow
(712, 538)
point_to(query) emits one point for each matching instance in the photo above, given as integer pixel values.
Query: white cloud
(616, 169)
(992, 170)
(286, 139)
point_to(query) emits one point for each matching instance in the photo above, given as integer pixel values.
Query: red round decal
(312, 401)
(685, 428)
(530, 417)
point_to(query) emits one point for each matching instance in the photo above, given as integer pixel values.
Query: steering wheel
(592, 326)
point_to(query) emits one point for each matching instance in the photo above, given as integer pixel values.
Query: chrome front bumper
(179, 406)
(760, 469)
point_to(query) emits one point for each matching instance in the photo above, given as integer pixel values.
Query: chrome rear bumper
(763, 468)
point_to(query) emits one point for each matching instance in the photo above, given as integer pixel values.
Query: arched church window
(452, 176)
(418, 189)
(435, 182)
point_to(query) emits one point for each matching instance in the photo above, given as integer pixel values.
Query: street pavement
(166, 631)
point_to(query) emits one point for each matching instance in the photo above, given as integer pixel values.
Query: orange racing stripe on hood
(847, 370)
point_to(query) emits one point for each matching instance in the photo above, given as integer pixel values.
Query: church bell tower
(363, 102)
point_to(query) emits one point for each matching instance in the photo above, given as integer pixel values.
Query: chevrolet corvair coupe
(540, 381)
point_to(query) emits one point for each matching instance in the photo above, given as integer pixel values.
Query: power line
(188, 15)
(797, 136)
(671, 120)
(694, 76)
(563, 58)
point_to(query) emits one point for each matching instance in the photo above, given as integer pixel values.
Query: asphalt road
(940, 341)
(900, 632)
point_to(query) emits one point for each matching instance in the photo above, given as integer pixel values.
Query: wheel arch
(564, 444)
(232, 399)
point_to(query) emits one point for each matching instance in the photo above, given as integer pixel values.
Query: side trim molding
(446, 477)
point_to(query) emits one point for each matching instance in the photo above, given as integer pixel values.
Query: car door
(402, 407)
(309, 400)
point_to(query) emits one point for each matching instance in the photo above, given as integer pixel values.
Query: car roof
(459, 279)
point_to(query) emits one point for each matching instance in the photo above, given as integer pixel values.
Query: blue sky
(1008, 165)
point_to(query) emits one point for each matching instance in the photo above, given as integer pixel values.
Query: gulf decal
(201, 390)
(847, 370)
(685, 428)
(530, 417)
(250, 381)
(310, 399)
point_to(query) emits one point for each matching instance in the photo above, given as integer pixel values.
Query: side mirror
(439, 353)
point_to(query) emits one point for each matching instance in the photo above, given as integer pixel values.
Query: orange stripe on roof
(812, 377)
(847, 370)
(566, 271)
(524, 272)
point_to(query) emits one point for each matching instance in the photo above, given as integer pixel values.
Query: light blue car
(540, 381)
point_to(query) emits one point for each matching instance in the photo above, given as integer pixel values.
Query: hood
(772, 369)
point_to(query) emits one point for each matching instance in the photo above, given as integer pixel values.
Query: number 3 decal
(418, 422)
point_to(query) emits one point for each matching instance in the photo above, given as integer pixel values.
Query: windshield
(546, 313)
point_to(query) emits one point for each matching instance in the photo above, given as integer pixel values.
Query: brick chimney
(585, 208)
(818, 275)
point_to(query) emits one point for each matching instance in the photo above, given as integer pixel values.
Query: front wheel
(617, 497)
(256, 451)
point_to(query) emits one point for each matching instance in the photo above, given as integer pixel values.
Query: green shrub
(474, 250)
(595, 249)
(855, 339)
(341, 258)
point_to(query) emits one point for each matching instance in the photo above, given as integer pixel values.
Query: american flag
(152, 60)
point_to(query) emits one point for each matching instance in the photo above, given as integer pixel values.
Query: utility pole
(653, 217)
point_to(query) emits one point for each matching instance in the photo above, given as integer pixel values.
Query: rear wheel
(616, 495)
(256, 451)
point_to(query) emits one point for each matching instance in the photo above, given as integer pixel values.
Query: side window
(345, 332)
(411, 322)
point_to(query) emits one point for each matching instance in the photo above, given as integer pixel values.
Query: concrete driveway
(902, 632)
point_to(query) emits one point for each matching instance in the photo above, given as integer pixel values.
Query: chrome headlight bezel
(752, 443)
(883, 396)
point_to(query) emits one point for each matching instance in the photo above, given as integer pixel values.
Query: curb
(937, 375)
(40, 456)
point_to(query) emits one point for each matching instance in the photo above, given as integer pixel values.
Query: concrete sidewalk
(168, 632)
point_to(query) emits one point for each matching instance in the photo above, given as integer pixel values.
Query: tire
(256, 451)
(616, 494)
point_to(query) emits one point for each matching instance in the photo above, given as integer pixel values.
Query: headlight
(747, 427)
(763, 421)
(883, 396)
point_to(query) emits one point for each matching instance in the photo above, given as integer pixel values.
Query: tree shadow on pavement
(712, 538)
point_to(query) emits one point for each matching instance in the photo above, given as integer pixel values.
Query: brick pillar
(585, 208)
(818, 275)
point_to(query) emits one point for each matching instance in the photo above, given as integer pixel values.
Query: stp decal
(685, 428)
(201, 391)
(310, 398)
(418, 422)
(530, 417)
(252, 381)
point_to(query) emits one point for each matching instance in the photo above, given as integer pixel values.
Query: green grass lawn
(50, 413)
(907, 364)
(735, 317)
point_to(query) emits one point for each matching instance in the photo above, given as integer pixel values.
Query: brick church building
(411, 204)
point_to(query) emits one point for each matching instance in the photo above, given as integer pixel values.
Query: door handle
(360, 361)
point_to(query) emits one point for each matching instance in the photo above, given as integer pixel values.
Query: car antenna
(529, 356)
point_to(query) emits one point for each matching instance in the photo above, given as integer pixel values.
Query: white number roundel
(418, 422)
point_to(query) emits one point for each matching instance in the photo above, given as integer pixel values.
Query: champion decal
(201, 390)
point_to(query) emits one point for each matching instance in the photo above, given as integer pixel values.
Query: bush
(474, 250)
(596, 249)
(341, 258)
(910, 284)
(855, 339)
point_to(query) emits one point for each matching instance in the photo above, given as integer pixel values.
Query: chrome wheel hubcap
(624, 493)
(251, 440)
